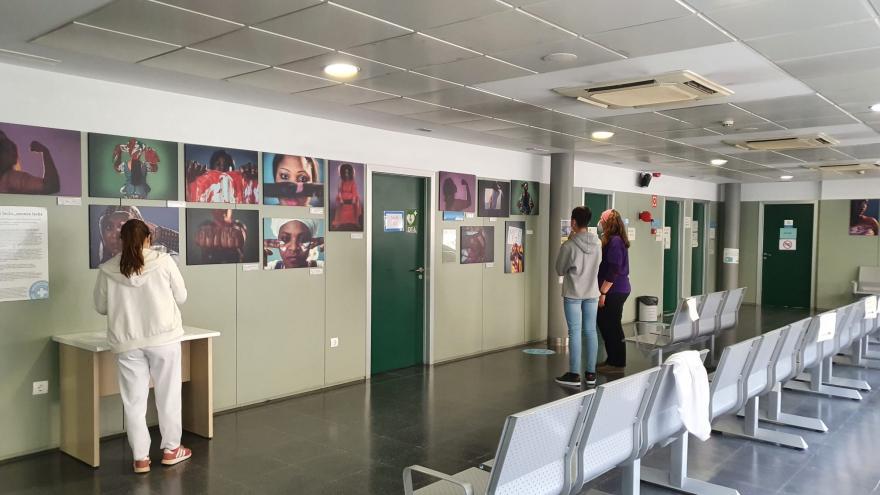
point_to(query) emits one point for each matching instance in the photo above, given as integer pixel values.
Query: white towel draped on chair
(692, 390)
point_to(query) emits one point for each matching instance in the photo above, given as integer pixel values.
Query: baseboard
(487, 352)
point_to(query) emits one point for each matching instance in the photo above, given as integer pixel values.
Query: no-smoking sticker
(788, 244)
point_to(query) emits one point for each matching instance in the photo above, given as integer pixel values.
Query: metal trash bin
(647, 308)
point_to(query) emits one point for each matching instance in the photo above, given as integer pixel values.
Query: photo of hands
(217, 236)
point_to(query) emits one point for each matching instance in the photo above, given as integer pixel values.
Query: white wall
(781, 191)
(51, 99)
(607, 177)
(851, 189)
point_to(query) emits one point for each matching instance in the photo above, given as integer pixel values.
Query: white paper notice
(731, 256)
(788, 244)
(316, 271)
(493, 219)
(469, 215)
(788, 223)
(530, 232)
(687, 222)
(695, 239)
(667, 237)
(24, 253)
(692, 309)
(561, 279)
(514, 235)
(870, 308)
(316, 211)
(592, 230)
(711, 233)
(69, 201)
(357, 235)
(695, 225)
(490, 265)
(176, 204)
(631, 233)
(827, 326)
(250, 267)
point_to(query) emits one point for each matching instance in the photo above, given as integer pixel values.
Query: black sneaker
(569, 379)
(590, 378)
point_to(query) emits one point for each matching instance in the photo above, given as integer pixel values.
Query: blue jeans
(580, 315)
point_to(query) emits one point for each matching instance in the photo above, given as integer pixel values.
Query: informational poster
(788, 244)
(667, 237)
(827, 326)
(731, 256)
(450, 246)
(393, 221)
(24, 253)
(564, 230)
(688, 222)
(788, 233)
(631, 233)
(695, 239)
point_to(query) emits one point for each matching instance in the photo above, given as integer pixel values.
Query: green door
(698, 249)
(671, 219)
(787, 266)
(398, 304)
(597, 203)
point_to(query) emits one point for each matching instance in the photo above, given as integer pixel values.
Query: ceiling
(472, 70)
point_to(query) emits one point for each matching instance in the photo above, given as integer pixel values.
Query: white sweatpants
(136, 367)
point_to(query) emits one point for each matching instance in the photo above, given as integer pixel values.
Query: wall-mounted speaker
(644, 179)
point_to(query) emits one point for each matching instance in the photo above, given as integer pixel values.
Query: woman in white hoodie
(139, 290)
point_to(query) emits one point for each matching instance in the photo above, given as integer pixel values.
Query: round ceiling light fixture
(560, 57)
(602, 135)
(341, 70)
(875, 107)
(786, 177)
(717, 162)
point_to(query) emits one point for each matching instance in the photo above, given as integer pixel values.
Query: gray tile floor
(357, 439)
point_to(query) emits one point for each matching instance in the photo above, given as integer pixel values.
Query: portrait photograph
(457, 192)
(291, 180)
(293, 243)
(220, 175)
(346, 193)
(132, 168)
(524, 197)
(39, 160)
(106, 221)
(863, 214)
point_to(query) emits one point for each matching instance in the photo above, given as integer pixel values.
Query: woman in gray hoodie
(578, 263)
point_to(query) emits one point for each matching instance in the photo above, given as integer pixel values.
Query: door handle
(418, 270)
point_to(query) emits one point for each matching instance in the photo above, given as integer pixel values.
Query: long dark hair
(134, 232)
(613, 226)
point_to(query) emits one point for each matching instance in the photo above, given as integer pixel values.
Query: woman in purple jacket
(614, 288)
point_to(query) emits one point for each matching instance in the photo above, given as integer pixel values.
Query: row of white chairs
(559, 447)
(697, 320)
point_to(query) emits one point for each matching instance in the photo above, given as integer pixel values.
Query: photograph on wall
(132, 168)
(863, 215)
(494, 196)
(477, 245)
(106, 221)
(524, 197)
(293, 243)
(457, 192)
(514, 247)
(218, 236)
(291, 180)
(346, 186)
(220, 175)
(39, 160)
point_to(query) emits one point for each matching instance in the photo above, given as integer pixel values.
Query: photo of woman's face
(294, 169)
(110, 229)
(295, 240)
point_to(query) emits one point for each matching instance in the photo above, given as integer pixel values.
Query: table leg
(79, 404)
(198, 392)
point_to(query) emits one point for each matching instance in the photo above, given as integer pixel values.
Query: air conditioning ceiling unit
(787, 143)
(674, 87)
(843, 168)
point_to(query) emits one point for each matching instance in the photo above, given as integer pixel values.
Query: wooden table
(88, 372)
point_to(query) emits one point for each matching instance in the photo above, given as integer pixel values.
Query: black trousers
(608, 320)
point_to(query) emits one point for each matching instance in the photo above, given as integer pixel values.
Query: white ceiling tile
(345, 94)
(792, 108)
(482, 125)
(713, 115)
(404, 83)
(411, 51)
(836, 64)
(281, 80)
(769, 17)
(156, 21)
(398, 106)
(684, 133)
(595, 16)
(459, 97)
(259, 46)
(423, 14)
(670, 35)
(201, 64)
(530, 56)
(862, 152)
(646, 122)
(244, 12)
(497, 32)
(820, 41)
(710, 5)
(804, 123)
(332, 26)
(445, 116)
(765, 157)
(817, 155)
(103, 43)
(474, 71)
(315, 66)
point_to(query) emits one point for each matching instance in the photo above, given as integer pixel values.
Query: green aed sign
(411, 219)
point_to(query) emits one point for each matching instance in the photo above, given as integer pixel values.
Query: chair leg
(828, 378)
(677, 479)
(750, 429)
(774, 414)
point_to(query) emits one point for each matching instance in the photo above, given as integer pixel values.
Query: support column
(730, 230)
(561, 187)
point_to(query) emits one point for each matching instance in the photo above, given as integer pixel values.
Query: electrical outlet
(334, 342)
(41, 388)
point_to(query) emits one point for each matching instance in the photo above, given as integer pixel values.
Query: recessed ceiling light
(875, 107)
(560, 57)
(425, 129)
(602, 135)
(718, 162)
(786, 177)
(341, 70)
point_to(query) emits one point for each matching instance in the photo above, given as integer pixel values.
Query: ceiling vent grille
(843, 168)
(788, 143)
(674, 87)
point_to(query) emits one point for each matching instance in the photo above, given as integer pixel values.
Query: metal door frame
(760, 254)
(704, 236)
(679, 285)
(430, 220)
